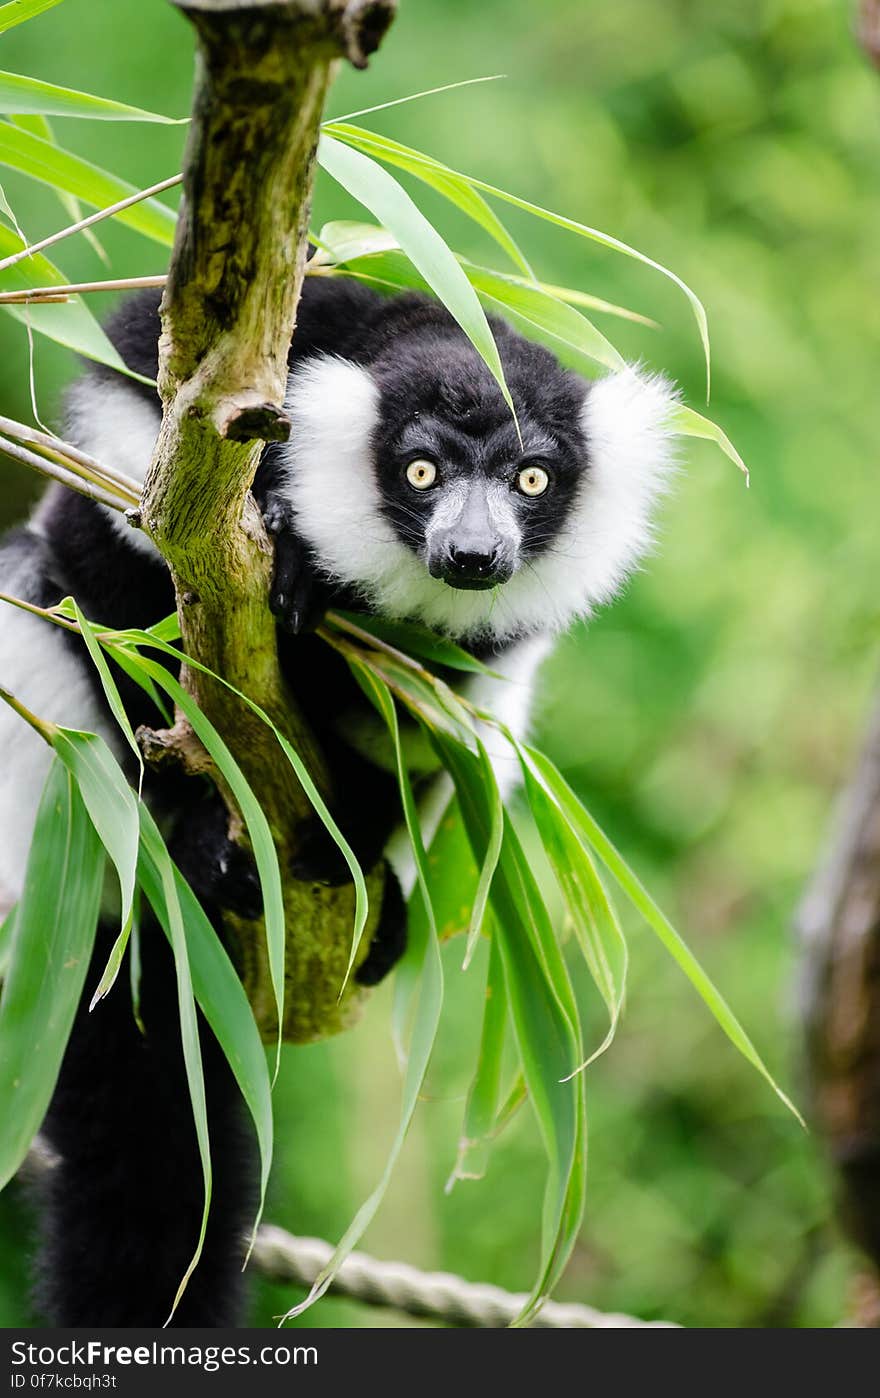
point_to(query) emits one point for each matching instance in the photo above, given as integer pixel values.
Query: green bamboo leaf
(544, 1015)
(173, 921)
(23, 94)
(9, 213)
(531, 308)
(380, 146)
(168, 629)
(128, 661)
(411, 640)
(481, 1112)
(379, 694)
(417, 96)
(454, 187)
(422, 972)
(391, 271)
(7, 931)
(113, 810)
(452, 875)
(134, 963)
(347, 239)
(59, 169)
(18, 11)
(543, 316)
(144, 672)
(379, 192)
(322, 810)
(258, 830)
(108, 684)
(69, 323)
(52, 941)
(218, 992)
(429, 697)
(595, 923)
(40, 126)
(688, 423)
(638, 895)
(492, 855)
(516, 1098)
(594, 303)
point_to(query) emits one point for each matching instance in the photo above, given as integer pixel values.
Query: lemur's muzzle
(471, 551)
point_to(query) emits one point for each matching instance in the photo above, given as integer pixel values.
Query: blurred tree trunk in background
(840, 931)
(869, 29)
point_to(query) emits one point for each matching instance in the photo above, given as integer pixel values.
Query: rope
(438, 1296)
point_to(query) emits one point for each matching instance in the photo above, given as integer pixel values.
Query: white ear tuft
(630, 460)
(330, 474)
(626, 420)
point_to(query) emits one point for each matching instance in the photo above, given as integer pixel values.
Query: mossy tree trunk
(228, 315)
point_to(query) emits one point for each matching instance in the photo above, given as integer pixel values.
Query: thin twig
(61, 293)
(56, 472)
(64, 453)
(87, 222)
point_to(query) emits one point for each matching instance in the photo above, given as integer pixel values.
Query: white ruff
(113, 423)
(332, 487)
(38, 667)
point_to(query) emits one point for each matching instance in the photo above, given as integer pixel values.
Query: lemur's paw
(319, 859)
(298, 598)
(221, 874)
(237, 884)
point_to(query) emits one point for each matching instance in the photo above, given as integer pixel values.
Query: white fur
(113, 423)
(38, 668)
(449, 508)
(509, 699)
(332, 486)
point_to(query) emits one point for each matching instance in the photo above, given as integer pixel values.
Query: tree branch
(264, 67)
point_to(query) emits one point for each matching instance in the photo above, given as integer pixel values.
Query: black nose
(472, 567)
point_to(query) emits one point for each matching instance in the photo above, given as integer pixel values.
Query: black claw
(298, 597)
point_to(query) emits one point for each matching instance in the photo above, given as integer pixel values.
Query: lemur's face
(474, 498)
(413, 487)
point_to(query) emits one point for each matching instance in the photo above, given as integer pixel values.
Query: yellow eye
(421, 474)
(533, 480)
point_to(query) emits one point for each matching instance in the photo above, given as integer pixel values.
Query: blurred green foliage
(709, 716)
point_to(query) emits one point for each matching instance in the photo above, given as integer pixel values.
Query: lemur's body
(404, 491)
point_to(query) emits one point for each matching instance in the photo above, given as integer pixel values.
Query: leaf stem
(45, 729)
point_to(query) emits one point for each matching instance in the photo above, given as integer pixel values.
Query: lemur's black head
(414, 483)
(472, 491)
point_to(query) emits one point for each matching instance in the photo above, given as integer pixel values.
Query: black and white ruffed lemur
(403, 491)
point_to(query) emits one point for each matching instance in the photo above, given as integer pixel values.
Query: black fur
(123, 1204)
(124, 1201)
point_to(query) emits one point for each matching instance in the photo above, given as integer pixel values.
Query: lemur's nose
(472, 566)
